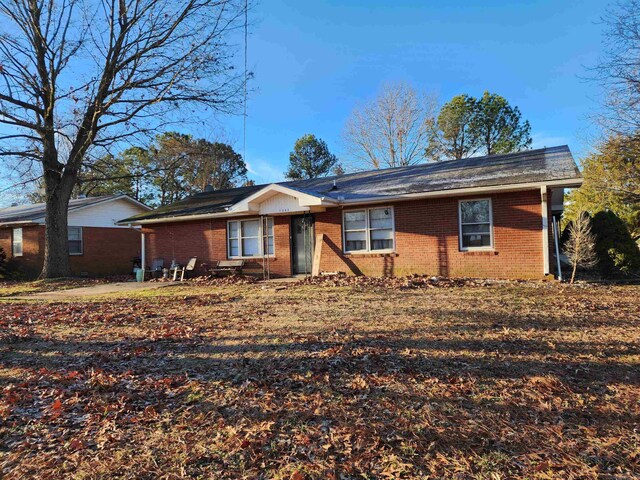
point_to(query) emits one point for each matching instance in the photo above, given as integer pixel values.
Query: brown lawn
(336, 382)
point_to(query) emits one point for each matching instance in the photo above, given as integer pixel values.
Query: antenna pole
(244, 115)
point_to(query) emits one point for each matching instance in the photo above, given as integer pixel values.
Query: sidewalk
(94, 290)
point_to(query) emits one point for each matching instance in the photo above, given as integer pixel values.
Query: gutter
(19, 223)
(568, 183)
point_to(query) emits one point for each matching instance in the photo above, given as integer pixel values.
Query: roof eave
(19, 223)
(562, 183)
(177, 218)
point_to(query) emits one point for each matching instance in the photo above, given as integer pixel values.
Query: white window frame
(261, 236)
(81, 240)
(470, 249)
(368, 230)
(14, 243)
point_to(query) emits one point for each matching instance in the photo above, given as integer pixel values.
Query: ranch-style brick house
(486, 216)
(97, 245)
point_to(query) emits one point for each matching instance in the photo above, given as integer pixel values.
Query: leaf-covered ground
(324, 381)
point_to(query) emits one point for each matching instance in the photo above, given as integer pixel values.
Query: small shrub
(3, 265)
(616, 249)
(580, 246)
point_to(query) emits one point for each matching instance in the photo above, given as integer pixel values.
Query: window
(74, 238)
(16, 244)
(369, 230)
(248, 238)
(476, 224)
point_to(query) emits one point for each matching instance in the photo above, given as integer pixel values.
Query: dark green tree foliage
(499, 126)
(168, 158)
(125, 173)
(213, 164)
(468, 126)
(615, 247)
(172, 167)
(611, 182)
(456, 139)
(310, 158)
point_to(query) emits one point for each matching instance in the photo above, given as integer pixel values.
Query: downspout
(143, 253)
(557, 244)
(545, 229)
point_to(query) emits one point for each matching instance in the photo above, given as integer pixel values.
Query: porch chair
(189, 267)
(156, 267)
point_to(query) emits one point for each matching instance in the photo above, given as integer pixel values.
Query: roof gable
(278, 198)
(35, 213)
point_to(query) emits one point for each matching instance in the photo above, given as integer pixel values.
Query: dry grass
(12, 288)
(507, 381)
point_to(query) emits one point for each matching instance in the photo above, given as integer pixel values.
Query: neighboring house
(477, 217)
(97, 245)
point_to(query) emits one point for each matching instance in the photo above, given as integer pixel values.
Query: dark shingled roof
(33, 211)
(531, 166)
(200, 204)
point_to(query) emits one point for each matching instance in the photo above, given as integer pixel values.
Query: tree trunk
(56, 249)
(573, 273)
(58, 185)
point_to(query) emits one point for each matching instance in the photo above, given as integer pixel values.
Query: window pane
(475, 211)
(270, 246)
(480, 228)
(476, 241)
(250, 228)
(250, 247)
(354, 246)
(380, 218)
(356, 241)
(354, 220)
(233, 229)
(74, 233)
(381, 244)
(381, 234)
(16, 244)
(233, 248)
(75, 247)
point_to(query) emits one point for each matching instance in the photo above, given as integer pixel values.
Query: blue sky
(314, 61)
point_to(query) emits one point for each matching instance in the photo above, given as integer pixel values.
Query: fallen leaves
(362, 379)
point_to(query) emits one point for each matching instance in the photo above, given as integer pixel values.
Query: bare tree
(619, 69)
(77, 76)
(393, 130)
(580, 247)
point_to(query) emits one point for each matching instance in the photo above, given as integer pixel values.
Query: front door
(302, 244)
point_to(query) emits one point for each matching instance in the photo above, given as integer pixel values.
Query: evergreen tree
(310, 158)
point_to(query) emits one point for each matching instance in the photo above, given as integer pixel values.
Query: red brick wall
(426, 241)
(106, 251)
(207, 240)
(29, 264)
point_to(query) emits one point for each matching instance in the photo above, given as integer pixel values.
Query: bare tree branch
(81, 75)
(393, 130)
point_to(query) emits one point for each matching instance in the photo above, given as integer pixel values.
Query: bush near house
(3, 265)
(616, 250)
